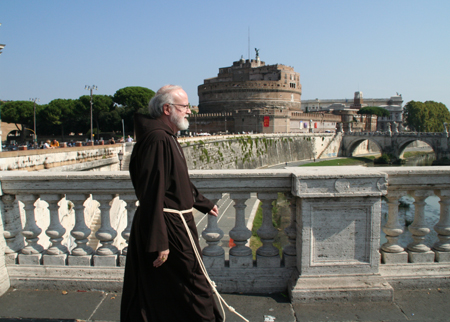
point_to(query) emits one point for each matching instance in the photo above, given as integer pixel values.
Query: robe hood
(144, 125)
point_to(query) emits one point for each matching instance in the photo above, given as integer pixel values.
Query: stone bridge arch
(405, 141)
(351, 143)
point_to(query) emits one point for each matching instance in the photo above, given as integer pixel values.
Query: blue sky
(55, 48)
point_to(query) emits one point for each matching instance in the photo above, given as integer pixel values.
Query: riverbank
(411, 157)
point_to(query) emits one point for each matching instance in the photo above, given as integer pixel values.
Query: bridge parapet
(70, 230)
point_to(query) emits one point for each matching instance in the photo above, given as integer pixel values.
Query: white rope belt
(202, 266)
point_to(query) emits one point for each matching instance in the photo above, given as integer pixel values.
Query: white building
(394, 105)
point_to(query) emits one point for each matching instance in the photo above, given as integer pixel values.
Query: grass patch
(412, 154)
(343, 161)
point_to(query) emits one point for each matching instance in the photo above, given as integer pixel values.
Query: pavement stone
(79, 306)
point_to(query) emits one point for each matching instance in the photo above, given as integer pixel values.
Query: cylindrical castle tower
(251, 84)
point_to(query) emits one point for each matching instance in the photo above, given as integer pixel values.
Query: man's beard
(180, 122)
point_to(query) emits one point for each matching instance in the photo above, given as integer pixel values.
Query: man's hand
(214, 211)
(162, 257)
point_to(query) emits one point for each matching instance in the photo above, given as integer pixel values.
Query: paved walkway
(60, 306)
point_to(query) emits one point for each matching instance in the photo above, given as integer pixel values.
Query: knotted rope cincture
(202, 266)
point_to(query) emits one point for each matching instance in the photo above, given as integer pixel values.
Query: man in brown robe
(163, 280)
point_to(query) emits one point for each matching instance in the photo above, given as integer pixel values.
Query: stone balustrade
(69, 230)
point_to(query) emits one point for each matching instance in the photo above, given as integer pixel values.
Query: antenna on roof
(249, 43)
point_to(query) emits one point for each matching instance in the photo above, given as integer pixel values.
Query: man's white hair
(163, 96)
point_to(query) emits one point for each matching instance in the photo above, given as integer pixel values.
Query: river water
(406, 210)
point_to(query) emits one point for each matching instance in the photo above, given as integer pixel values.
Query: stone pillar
(11, 229)
(240, 255)
(442, 247)
(31, 254)
(213, 254)
(130, 199)
(4, 277)
(81, 254)
(391, 251)
(267, 255)
(106, 254)
(417, 250)
(338, 236)
(56, 254)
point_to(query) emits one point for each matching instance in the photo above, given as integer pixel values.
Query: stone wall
(250, 152)
(33, 160)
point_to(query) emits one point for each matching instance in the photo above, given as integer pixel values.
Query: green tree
(426, 117)
(19, 112)
(59, 113)
(130, 100)
(102, 105)
(374, 110)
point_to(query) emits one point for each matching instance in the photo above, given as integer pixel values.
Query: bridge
(335, 247)
(394, 143)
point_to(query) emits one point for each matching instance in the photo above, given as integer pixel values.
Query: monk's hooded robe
(177, 290)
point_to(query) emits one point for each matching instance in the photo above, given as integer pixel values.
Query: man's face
(178, 111)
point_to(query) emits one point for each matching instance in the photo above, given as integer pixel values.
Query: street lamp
(34, 100)
(120, 156)
(91, 88)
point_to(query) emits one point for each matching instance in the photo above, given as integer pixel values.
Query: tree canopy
(133, 97)
(429, 116)
(130, 100)
(374, 110)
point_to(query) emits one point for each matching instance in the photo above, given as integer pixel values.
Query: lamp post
(34, 100)
(91, 88)
(120, 156)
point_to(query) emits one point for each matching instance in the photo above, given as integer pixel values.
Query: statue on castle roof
(257, 52)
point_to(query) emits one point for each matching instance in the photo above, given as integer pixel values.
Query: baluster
(56, 253)
(81, 254)
(442, 247)
(213, 254)
(130, 199)
(31, 254)
(240, 255)
(106, 253)
(417, 250)
(267, 255)
(11, 229)
(391, 251)
(290, 250)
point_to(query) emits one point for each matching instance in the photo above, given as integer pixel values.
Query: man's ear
(166, 109)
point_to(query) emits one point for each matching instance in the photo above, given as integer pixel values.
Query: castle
(252, 97)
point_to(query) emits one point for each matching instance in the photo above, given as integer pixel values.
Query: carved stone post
(267, 255)
(290, 251)
(81, 254)
(106, 253)
(338, 236)
(391, 251)
(31, 254)
(56, 254)
(130, 199)
(442, 247)
(417, 250)
(12, 228)
(213, 254)
(240, 255)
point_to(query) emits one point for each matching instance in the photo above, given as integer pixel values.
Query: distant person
(129, 139)
(46, 145)
(54, 144)
(112, 141)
